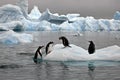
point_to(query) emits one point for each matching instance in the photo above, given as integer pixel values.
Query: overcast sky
(96, 8)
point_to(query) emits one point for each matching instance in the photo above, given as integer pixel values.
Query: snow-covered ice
(76, 53)
(11, 37)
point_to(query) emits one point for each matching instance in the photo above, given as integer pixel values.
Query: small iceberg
(11, 37)
(76, 53)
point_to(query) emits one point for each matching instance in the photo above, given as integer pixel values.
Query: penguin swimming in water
(49, 47)
(64, 41)
(36, 53)
(91, 48)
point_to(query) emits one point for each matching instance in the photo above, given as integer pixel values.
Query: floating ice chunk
(117, 15)
(10, 13)
(11, 37)
(75, 53)
(60, 53)
(35, 13)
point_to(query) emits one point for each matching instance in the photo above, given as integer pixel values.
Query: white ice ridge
(11, 37)
(76, 53)
(53, 22)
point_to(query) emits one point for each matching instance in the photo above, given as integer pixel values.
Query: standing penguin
(49, 47)
(64, 41)
(91, 48)
(36, 53)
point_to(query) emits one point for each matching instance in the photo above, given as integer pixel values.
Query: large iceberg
(75, 53)
(11, 37)
(13, 17)
(10, 13)
(14, 25)
(117, 15)
(23, 4)
(53, 18)
(35, 13)
(73, 17)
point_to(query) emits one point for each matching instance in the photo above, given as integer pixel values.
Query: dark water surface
(16, 60)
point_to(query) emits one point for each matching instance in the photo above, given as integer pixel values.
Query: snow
(11, 37)
(117, 15)
(35, 13)
(76, 53)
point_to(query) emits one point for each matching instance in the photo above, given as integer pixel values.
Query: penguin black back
(48, 46)
(91, 48)
(64, 41)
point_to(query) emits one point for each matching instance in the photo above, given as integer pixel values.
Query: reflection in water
(46, 71)
(91, 68)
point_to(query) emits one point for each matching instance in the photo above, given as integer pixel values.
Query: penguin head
(51, 42)
(41, 47)
(90, 41)
(62, 37)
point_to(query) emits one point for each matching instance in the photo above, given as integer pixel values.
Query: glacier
(76, 53)
(11, 37)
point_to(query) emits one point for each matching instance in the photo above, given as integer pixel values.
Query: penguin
(49, 47)
(91, 48)
(64, 41)
(36, 53)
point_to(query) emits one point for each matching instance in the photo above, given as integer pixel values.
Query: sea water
(16, 61)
